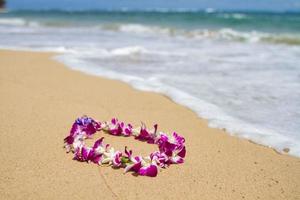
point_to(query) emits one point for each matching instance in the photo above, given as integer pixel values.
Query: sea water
(239, 70)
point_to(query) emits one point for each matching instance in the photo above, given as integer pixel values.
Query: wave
(253, 36)
(137, 29)
(210, 10)
(132, 50)
(17, 22)
(126, 53)
(283, 39)
(167, 30)
(224, 33)
(140, 29)
(237, 16)
(12, 21)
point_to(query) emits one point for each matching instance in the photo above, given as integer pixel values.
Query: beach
(237, 70)
(40, 99)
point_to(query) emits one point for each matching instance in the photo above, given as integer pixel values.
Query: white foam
(237, 16)
(231, 34)
(210, 10)
(12, 21)
(142, 29)
(131, 50)
(135, 28)
(18, 22)
(223, 33)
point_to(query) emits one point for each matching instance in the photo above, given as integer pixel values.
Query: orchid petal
(128, 153)
(69, 140)
(117, 159)
(98, 143)
(182, 152)
(177, 160)
(150, 170)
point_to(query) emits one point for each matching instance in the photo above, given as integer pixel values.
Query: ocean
(238, 70)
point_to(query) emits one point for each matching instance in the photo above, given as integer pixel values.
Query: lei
(171, 147)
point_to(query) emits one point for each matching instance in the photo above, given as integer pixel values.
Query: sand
(40, 98)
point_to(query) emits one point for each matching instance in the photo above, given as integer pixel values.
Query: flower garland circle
(171, 147)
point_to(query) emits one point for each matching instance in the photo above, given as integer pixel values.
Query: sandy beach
(40, 98)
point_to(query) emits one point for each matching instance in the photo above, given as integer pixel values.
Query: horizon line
(157, 10)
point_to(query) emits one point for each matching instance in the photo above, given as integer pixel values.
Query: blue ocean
(238, 70)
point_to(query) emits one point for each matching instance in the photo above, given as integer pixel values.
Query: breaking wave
(224, 33)
(17, 22)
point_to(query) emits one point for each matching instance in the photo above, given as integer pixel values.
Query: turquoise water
(243, 21)
(239, 70)
(283, 27)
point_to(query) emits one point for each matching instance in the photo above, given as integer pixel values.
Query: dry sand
(40, 99)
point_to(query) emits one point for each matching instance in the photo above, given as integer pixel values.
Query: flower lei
(171, 147)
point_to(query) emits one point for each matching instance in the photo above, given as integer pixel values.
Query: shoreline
(42, 96)
(285, 150)
(215, 115)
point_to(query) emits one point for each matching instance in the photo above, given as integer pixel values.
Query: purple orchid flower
(98, 143)
(115, 128)
(96, 158)
(69, 140)
(86, 153)
(169, 144)
(116, 161)
(128, 153)
(87, 125)
(127, 130)
(83, 154)
(166, 147)
(160, 158)
(141, 167)
(150, 170)
(178, 156)
(146, 135)
(179, 139)
(78, 154)
(135, 166)
(75, 129)
(119, 128)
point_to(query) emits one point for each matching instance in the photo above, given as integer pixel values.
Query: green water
(242, 21)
